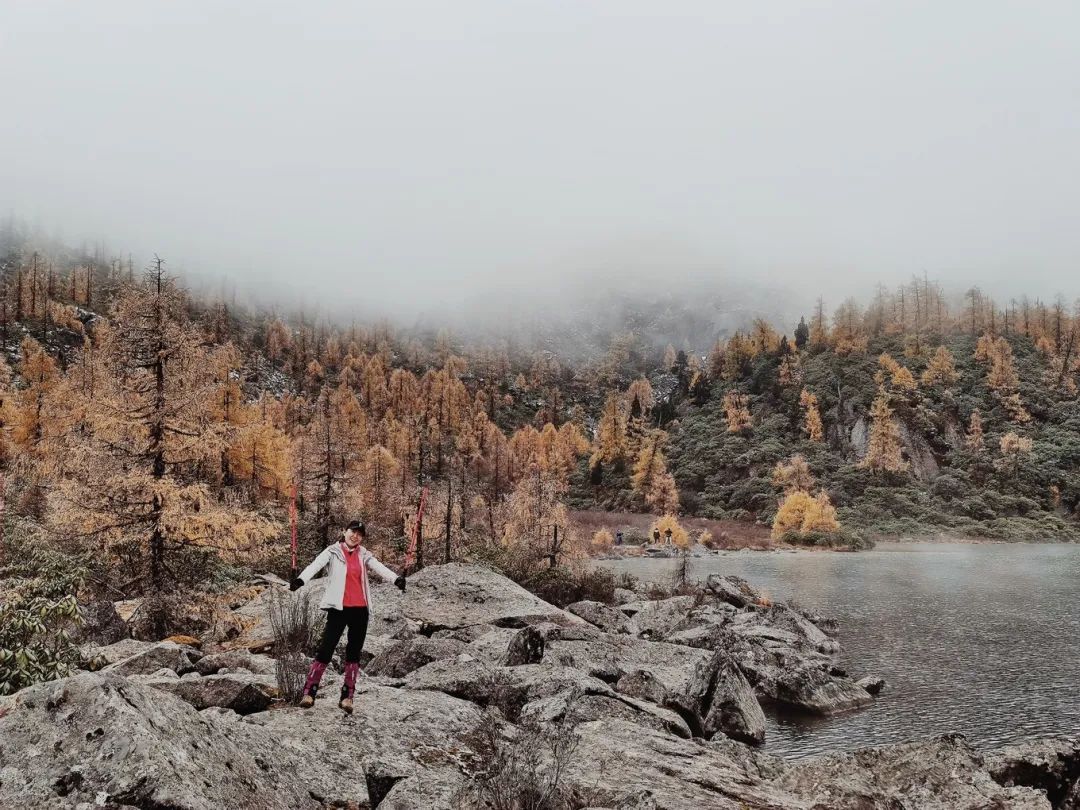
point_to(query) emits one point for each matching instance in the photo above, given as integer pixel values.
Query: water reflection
(980, 639)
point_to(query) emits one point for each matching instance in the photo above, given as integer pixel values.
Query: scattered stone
(402, 657)
(101, 625)
(603, 616)
(733, 590)
(814, 690)
(526, 647)
(243, 694)
(236, 659)
(871, 683)
(156, 655)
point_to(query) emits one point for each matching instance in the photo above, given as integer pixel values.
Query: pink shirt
(355, 596)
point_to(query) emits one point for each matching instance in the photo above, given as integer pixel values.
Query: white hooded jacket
(335, 586)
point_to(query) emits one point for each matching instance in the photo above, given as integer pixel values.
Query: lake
(982, 639)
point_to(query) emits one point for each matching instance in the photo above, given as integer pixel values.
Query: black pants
(355, 618)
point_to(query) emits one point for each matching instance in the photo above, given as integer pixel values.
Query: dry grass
(296, 634)
(727, 534)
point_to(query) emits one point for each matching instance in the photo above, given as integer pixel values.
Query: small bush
(37, 610)
(524, 766)
(296, 629)
(562, 586)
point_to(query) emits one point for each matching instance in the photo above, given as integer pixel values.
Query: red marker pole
(3, 505)
(410, 553)
(292, 530)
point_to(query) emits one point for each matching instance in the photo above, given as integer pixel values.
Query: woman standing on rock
(346, 602)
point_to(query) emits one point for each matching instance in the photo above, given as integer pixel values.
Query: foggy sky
(411, 154)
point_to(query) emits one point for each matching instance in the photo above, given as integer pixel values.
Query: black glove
(296, 583)
(400, 582)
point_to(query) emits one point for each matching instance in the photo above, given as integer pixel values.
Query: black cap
(356, 526)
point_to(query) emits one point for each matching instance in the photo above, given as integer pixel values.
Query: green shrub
(37, 609)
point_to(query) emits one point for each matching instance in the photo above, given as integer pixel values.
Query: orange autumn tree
(941, 370)
(737, 412)
(651, 481)
(679, 536)
(793, 474)
(131, 481)
(812, 425)
(801, 513)
(973, 439)
(883, 446)
(900, 377)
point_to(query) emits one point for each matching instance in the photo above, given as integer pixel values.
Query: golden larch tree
(883, 452)
(793, 474)
(737, 412)
(130, 481)
(973, 439)
(941, 370)
(801, 513)
(812, 425)
(651, 480)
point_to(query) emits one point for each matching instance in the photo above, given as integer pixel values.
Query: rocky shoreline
(476, 688)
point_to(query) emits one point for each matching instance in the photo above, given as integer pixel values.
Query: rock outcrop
(657, 702)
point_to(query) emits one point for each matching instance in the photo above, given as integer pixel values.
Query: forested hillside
(156, 439)
(910, 421)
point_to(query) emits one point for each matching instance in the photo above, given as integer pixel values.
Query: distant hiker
(345, 601)
(618, 538)
(656, 537)
(667, 536)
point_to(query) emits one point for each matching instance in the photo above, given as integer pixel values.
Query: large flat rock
(459, 595)
(101, 738)
(941, 773)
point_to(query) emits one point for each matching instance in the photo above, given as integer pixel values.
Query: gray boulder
(872, 684)
(151, 657)
(429, 736)
(402, 657)
(525, 647)
(99, 739)
(458, 595)
(733, 708)
(1051, 765)
(623, 764)
(734, 590)
(659, 619)
(574, 708)
(941, 773)
(236, 659)
(670, 675)
(806, 632)
(814, 690)
(101, 625)
(243, 694)
(603, 616)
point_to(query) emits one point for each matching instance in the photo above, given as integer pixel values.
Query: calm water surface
(979, 639)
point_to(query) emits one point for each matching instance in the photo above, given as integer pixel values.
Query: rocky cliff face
(659, 706)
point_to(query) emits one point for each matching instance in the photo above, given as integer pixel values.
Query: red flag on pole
(3, 506)
(292, 529)
(410, 553)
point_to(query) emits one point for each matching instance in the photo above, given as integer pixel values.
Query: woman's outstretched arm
(372, 562)
(309, 573)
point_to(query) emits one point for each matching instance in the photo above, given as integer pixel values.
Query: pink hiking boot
(311, 685)
(349, 687)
